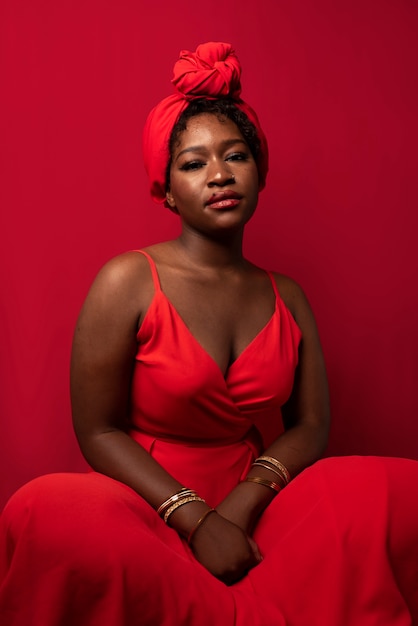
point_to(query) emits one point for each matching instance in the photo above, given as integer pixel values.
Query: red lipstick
(224, 200)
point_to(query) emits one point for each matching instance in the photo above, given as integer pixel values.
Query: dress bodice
(179, 391)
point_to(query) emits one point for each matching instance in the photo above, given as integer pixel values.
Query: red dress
(340, 543)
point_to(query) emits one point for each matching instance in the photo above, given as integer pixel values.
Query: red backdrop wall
(335, 85)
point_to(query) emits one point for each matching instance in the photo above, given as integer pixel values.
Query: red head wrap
(212, 72)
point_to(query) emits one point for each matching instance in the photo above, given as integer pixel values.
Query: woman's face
(213, 176)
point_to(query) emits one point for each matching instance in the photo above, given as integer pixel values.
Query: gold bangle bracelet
(198, 524)
(184, 491)
(265, 483)
(271, 469)
(180, 503)
(277, 464)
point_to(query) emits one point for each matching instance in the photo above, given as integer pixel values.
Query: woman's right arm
(102, 361)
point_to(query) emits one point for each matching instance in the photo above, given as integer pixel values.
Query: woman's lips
(224, 200)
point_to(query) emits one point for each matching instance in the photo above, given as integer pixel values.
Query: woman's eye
(237, 156)
(191, 165)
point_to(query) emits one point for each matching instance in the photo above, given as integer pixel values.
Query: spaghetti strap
(153, 267)
(274, 284)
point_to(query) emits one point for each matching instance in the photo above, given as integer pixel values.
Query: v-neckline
(158, 291)
(200, 346)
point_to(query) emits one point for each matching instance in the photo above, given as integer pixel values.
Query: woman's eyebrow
(225, 144)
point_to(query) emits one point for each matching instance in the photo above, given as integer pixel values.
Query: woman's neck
(208, 252)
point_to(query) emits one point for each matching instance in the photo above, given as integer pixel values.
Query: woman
(183, 352)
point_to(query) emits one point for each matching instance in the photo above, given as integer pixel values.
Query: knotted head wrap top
(212, 72)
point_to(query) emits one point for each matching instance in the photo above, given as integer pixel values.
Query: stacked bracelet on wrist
(264, 482)
(199, 523)
(272, 464)
(178, 499)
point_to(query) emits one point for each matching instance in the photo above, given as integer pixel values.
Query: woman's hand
(224, 549)
(244, 505)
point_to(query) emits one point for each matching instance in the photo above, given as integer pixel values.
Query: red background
(335, 86)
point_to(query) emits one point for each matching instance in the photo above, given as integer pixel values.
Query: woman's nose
(220, 174)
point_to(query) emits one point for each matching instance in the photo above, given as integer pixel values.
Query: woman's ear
(170, 200)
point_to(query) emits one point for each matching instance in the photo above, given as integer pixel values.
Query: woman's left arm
(306, 419)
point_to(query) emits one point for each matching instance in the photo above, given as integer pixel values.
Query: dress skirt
(339, 546)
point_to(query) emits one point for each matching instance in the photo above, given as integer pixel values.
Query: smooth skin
(210, 283)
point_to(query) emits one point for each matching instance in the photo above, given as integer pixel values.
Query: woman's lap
(84, 540)
(341, 542)
(340, 545)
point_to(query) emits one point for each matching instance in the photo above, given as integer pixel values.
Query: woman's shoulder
(123, 282)
(292, 294)
(128, 277)
(123, 270)
(132, 265)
